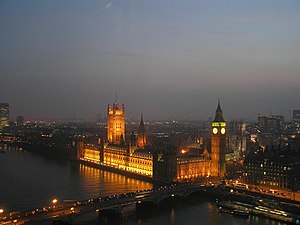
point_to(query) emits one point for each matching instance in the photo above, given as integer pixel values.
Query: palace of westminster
(166, 163)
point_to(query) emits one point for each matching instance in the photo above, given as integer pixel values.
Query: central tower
(116, 124)
(218, 144)
(141, 137)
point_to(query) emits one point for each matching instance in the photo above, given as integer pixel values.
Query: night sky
(167, 59)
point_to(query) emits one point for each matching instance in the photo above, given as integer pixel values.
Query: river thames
(29, 181)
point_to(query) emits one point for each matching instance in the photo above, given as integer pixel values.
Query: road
(280, 193)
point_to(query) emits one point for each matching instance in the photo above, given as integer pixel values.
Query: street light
(72, 212)
(54, 201)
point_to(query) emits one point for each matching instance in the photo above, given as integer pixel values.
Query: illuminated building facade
(116, 124)
(193, 168)
(160, 163)
(4, 115)
(273, 171)
(118, 157)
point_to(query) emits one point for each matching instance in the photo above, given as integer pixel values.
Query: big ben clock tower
(218, 144)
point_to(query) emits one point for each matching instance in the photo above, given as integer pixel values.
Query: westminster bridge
(113, 204)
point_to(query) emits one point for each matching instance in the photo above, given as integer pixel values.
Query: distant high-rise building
(269, 129)
(296, 114)
(296, 119)
(4, 115)
(141, 138)
(20, 121)
(271, 124)
(116, 124)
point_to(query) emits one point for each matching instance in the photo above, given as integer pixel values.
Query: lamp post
(72, 212)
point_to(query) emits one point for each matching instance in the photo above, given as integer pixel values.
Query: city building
(236, 140)
(296, 119)
(115, 152)
(165, 163)
(4, 115)
(269, 129)
(20, 121)
(273, 168)
(271, 124)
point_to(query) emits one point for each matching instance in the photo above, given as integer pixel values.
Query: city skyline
(133, 117)
(167, 60)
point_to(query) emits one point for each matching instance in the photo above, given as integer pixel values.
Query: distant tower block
(218, 144)
(116, 124)
(4, 115)
(141, 138)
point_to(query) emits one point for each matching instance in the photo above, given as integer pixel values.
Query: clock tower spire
(219, 114)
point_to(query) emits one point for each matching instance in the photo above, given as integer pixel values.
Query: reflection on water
(29, 181)
(101, 182)
(172, 216)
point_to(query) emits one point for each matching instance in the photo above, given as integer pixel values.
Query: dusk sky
(166, 59)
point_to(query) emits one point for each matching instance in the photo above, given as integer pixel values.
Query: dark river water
(28, 181)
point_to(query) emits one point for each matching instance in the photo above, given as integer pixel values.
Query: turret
(141, 139)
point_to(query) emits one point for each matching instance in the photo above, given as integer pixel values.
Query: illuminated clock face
(215, 130)
(223, 131)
